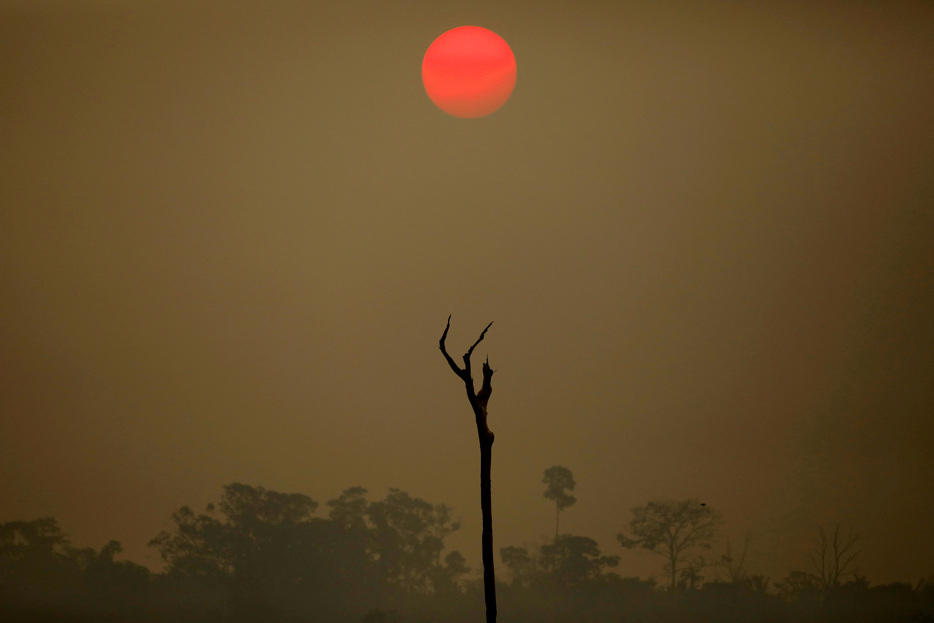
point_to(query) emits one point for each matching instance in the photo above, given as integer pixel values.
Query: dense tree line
(256, 555)
(261, 555)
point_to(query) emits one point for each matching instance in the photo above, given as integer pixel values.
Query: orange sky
(231, 233)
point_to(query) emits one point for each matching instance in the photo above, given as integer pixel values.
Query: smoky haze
(231, 234)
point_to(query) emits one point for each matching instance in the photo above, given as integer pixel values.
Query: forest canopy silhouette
(262, 555)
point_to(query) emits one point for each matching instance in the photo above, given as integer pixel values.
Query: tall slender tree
(560, 480)
(478, 402)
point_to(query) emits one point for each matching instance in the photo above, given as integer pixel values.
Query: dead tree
(478, 402)
(832, 559)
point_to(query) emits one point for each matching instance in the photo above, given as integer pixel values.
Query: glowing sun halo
(469, 72)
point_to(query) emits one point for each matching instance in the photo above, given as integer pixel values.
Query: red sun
(469, 72)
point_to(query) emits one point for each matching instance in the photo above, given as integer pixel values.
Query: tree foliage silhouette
(288, 565)
(268, 555)
(575, 560)
(670, 528)
(44, 578)
(560, 480)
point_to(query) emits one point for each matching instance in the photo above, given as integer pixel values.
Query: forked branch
(464, 373)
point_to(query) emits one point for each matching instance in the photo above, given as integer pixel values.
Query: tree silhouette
(575, 560)
(264, 554)
(832, 559)
(733, 564)
(44, 578)
(408, 538)
(570, 562)
(272, 560)
(478, 402)
(559, 480)
(670, 528)
(523, 566)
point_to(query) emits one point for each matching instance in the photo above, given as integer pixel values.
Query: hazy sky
(231, 234)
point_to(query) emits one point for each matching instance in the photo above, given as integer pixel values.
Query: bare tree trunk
(557, 519)
(673, 557)
(478, 402)
(486, 507)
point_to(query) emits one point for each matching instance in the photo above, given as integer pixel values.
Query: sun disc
(469, 72)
